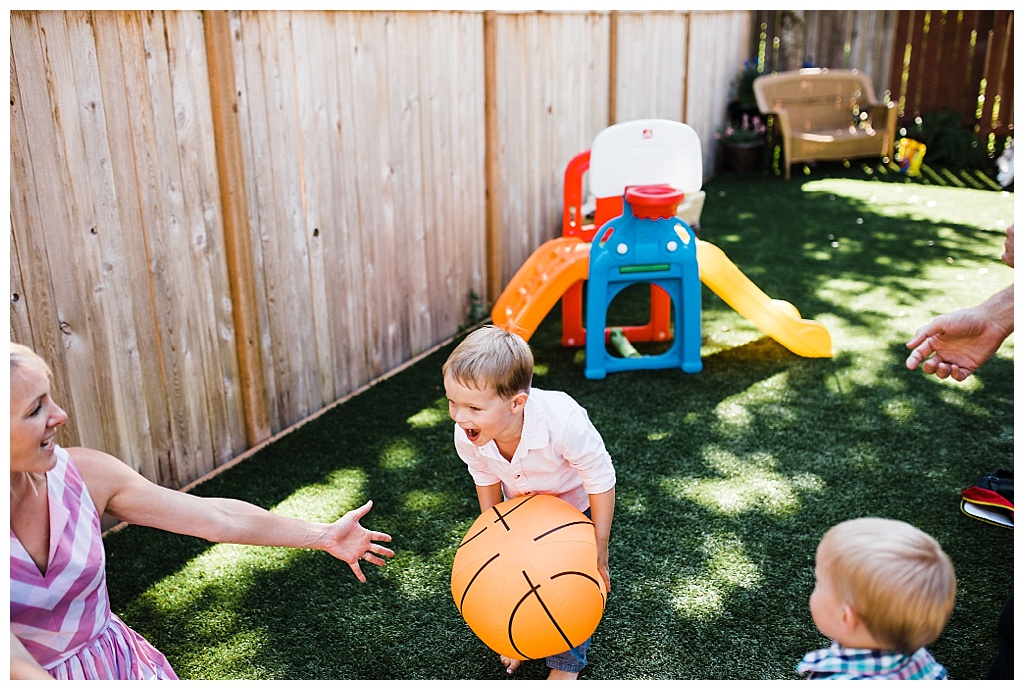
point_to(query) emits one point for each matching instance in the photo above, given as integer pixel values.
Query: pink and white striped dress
(63, 617)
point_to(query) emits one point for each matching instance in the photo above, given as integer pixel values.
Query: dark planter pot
(744, 157)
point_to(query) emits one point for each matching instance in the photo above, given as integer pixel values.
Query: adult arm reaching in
(123, 493)
(958, 343)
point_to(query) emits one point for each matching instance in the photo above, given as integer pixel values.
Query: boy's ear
(519, 402)
(850, 620)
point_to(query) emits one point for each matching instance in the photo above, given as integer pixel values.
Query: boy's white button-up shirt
(560, 453)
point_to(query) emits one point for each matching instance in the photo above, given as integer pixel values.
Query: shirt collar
(535, 424)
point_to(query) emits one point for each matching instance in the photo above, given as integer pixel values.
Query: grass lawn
(727, 479)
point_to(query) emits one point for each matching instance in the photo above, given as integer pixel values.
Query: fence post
(238, 249)
(492, 149)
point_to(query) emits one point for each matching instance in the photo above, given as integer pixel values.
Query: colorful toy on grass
(525, 578)
(631, 155)
(646, 244)
(658, 160)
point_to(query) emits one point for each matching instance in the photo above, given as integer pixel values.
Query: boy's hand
(602, 567)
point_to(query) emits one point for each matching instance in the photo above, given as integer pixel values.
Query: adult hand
(956, 344)
(349, 541)
(1007, 256)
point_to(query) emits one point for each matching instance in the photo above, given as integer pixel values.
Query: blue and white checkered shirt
(837, 663)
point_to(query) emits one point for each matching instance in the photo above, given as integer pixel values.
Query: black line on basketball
(501, 517)
(533, 590)
(512, 615)
(568, 524)
(575, 572)
(469, 539)
(462, 600)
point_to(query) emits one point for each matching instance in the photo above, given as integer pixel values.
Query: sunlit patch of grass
(326, 501)
(399, 454)
(936, 202)
(958, 396)
(727, 568)
(630, 501)
(420, 576)
(900, 409)
(418, 500)
(430, 417)
(732, 413)
(235, 656)
(747, 484)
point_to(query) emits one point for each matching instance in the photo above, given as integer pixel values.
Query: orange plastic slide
(777, 318)
(558, 263)
(539, 283)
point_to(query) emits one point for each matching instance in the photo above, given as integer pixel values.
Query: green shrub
(949, 142)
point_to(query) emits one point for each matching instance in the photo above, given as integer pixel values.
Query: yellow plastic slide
(539, 283)
(557, 264)
(777, 318)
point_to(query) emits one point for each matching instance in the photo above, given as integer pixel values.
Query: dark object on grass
(990, 499)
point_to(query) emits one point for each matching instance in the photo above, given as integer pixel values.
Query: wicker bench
(820, 114)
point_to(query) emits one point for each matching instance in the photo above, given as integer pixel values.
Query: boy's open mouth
(472, 434)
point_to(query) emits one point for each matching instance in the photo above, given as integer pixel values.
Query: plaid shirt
(837, 663)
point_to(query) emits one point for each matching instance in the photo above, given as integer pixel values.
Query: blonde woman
(61, 621)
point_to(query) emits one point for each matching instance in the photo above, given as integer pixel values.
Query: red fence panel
(959, 60)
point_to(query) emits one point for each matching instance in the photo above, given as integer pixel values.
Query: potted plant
(742, 100)
(743, 142)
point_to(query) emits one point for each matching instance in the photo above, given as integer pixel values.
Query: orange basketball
(525, 578)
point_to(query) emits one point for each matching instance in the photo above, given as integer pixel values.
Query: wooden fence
(923, 60)
(222, 222)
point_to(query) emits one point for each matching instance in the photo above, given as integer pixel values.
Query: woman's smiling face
(35, 418)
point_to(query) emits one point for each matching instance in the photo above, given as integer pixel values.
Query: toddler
(883, 590)
(517, 441)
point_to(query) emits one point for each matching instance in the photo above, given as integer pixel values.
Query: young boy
(883, 590)
(518, 440)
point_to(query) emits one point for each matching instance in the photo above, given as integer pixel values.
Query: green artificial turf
(727, 478)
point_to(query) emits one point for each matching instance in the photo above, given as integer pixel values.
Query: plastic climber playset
(642, 174)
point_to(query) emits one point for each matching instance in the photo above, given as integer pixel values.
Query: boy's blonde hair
(491, 357)
(897, 578)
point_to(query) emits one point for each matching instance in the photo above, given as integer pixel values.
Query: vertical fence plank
(722, 58)
(998, 75)
(141, 338)
(651, 66)
(258, 172)
(214, 339)
(465, 253)
(350, 324)
(237, 245)
(314, 151)
(169, 237)
(552, 92)
(495, 198)
(407, 251)
(44, 52)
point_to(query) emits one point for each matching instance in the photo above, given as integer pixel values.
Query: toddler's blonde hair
(896, 578)
(491, 357)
